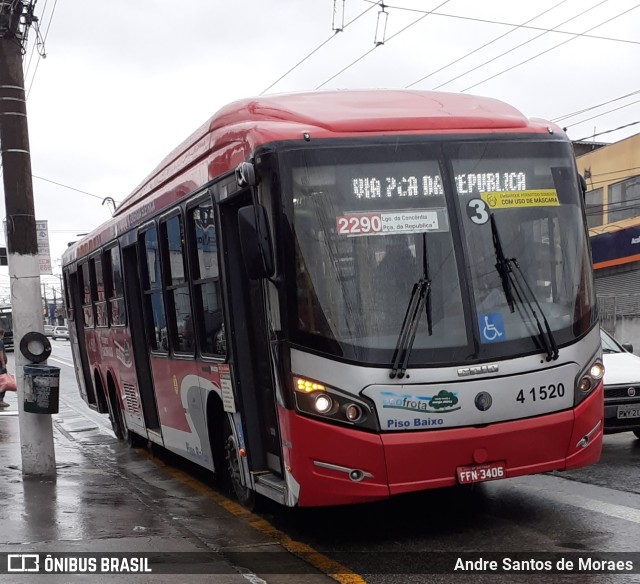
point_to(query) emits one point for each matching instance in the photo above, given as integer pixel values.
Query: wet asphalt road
(587, 511)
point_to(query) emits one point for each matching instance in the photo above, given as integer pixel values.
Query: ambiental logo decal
(443, 401)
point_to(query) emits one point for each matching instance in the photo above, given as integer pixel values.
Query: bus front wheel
(245, 495)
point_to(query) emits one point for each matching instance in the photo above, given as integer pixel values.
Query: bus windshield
(368, 219)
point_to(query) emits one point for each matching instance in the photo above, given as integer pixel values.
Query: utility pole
(44, 296)
(36, 433)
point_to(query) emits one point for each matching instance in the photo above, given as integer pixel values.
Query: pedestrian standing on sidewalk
(3, 365)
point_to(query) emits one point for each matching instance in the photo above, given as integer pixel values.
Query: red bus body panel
(237, 130)
(414, 461)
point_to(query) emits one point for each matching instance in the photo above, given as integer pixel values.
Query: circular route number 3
(477, 211)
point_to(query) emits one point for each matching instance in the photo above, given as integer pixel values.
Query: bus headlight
(597, 370)
(323, 404)
(332, 405)
(353, 412)
(588, 380)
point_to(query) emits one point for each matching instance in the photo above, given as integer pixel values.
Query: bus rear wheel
(119, 424)
(245, 495)
(116, 416)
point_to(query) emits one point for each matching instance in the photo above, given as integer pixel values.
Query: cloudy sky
(124, 82)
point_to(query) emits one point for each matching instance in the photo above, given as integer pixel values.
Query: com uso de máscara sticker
(514, 199)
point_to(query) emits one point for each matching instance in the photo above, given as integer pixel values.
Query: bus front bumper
(334, 465)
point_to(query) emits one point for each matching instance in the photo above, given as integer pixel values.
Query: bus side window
(155, 320)
(87, 305)
(68, 297)
(206, 280)
(113, 286)
(99, 299)
(178, 298)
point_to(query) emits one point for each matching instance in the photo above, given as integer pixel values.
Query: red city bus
(332, 298)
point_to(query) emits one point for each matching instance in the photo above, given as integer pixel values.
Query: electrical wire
(606, 132)
(603, 113)
(512, 24)
(35, 42)
(554, 47)
(609, 182)
(378, 45)
(485, 45)
(518, 46)
(586, 109)
(595, 209)
(322, 44)
(70, 188)
(616, 171)
(44, 39)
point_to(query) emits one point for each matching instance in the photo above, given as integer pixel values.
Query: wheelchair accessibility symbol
(491, 327)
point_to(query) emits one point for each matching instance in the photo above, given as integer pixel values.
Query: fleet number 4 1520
(541, 393)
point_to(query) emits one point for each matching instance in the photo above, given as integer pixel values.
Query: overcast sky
(124, 81)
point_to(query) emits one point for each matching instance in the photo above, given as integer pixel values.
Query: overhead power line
(322, 44)
(607, 132)
(587, 109)
(44, 39)
(513, 24)
(68, 187)
(611, 208)
(425, 14)
(615, 109)
(518, 47)
(552, 48)
(596, 184)
(494, 40)
(616, 171)
(35, 43)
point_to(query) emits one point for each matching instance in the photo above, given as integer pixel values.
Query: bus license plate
(482, 472)
(629, 411)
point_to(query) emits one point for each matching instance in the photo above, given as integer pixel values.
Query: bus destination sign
(388, 222)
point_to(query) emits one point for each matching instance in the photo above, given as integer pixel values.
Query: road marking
(588, 504)
(62, 361)
(610, 509)
(323, 563)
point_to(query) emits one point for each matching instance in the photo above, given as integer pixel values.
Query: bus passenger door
(78, 342)
(249, 352)
(133, 293)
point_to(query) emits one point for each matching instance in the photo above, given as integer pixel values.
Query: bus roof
(233, 133)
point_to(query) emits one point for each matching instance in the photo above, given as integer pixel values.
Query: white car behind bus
(621, 387)
(60, 332)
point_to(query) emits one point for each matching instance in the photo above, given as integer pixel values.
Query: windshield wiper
(502, 264)
(523, 292)
(420, 297)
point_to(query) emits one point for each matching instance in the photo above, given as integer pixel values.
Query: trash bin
(41, 389)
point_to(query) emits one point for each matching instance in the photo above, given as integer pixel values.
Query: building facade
(612, 174)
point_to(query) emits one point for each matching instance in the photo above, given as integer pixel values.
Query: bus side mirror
(255, 241)
(627, 347)
(583, 185)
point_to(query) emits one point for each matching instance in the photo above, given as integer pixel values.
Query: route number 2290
(359, 224)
